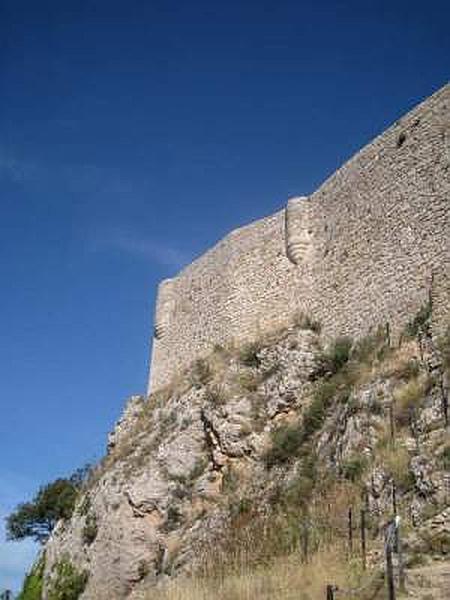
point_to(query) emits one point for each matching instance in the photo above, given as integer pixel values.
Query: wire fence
(371, 587)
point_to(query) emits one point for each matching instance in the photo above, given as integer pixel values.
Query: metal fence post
(392, 423)
(363, 538)
(390, 572)
(350, 530)
(389, 540)
(401, 565)
(394, 498)
(444, 396)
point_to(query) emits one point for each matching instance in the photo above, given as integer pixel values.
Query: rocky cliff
(281, 437)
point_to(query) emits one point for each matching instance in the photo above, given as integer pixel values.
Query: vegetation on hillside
(33, 584)
(66, 582)
(291, 537)
(301, 542)
(54, 501)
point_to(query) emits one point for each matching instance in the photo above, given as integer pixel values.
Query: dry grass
(408, 398)
(284, 579)
(396, 462)
(401, 362)
(262, 558)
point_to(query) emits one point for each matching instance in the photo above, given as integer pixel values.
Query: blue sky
(133, 135)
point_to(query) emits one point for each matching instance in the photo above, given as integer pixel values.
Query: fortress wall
(243, 286)
(369, 246)
(381, 226)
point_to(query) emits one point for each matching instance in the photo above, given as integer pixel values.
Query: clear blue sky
(133, 135)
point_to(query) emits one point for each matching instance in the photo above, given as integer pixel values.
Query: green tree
(54, 501)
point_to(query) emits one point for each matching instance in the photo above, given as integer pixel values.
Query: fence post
(390, 571)
(389, 541)
(392, 423)
(394, 498)
(350, 530)
(444, 396)
(363, 537)
(401, 566)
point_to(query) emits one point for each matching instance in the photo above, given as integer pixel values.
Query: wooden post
(444, 396)
(363, 538)
(394, 498)
(350, 530)
(392, 423)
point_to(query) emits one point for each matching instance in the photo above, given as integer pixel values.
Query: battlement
(370, 246)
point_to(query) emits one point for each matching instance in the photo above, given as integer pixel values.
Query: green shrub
(299, 489)
(340, 352)
(90, 529)
(315, 413)
(445, 458)
(174, 519)
(335, 358)
(286, 441)
(420, 322)
(243, 506)
(67, 583)
(354, 468)
(304, 321)
(215, 394)
(201, 372)
(34, 582)
(248, 355)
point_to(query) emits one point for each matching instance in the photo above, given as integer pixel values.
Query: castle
(369, 247)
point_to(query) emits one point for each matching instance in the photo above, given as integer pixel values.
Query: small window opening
(401, 140)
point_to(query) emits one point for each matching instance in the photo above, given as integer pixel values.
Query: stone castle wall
(370, 246)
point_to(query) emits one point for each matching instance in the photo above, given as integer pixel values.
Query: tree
(54, 501)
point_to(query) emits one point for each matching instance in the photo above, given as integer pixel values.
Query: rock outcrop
(239, 429)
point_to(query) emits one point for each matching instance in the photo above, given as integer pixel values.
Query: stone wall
(370, 246)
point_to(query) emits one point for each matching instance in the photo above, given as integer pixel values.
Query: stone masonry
(369, 247)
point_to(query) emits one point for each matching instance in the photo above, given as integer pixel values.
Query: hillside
(236, 480)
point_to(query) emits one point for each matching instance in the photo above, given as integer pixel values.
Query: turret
(297, 229)
(164, 308)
